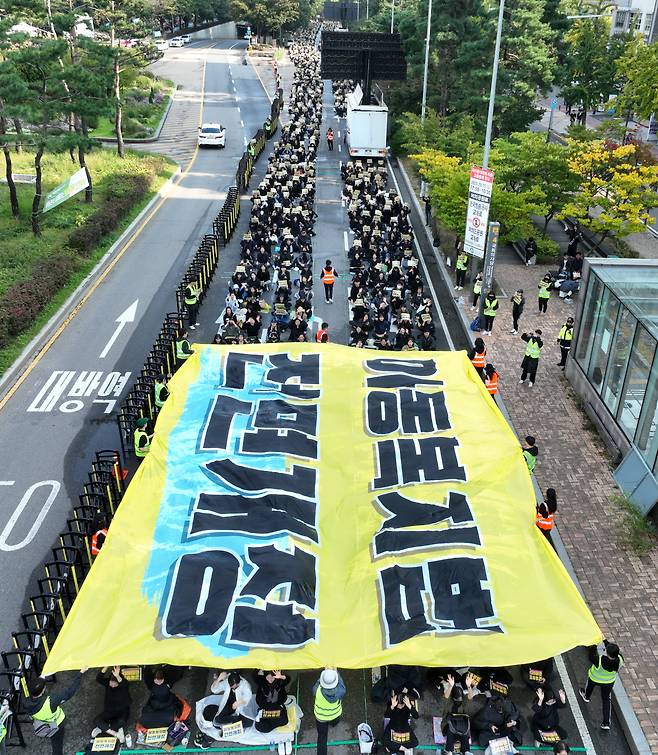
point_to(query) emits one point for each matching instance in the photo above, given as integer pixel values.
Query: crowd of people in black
(273, 279)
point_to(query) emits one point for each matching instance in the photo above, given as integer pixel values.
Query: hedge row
(22, 302)
(118, 203)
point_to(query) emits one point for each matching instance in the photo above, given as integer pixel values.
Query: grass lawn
(20, 250)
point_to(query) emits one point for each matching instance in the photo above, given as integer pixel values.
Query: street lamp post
(392, 14)
(423, 106)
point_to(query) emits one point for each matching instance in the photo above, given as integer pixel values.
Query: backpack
(459, 724)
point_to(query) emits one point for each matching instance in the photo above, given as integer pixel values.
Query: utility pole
(392, 14)
(423, 106)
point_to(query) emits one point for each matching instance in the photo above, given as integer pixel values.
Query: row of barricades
(72, 555)
(64, 571)
(257, 144)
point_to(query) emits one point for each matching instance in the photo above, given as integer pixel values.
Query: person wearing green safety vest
(545, 285)
(5, 712)
(530, 453)
(46, 710)
(183, 348)
(534, 345)
(603, 674)
(477, 290)
(141, 438)
(489, 311)
(161, 392)
(461, 266)
(564, 339)
(328, 693)
(267, 126)
(192, 293)
(251, 150)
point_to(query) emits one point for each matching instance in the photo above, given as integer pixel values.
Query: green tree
(454, 137)
(638, 67)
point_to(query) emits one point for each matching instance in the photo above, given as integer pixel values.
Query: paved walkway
(619, 587)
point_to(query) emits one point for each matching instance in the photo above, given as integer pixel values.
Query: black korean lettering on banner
(302, 373)
(404, 461)
(301, 481)
(276, 625)
(396, 536)
(461, 601)
(262, 515)
(217, 429)
(295, 570)
(201, 593)
(287, 442)
(407, 411)
(402, 593)
(401, 373)
(235, 368)
(273, 414)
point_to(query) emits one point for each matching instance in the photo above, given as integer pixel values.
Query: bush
(23, 301)
(547, 250)
(132, 128)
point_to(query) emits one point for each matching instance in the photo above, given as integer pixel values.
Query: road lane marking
(6, 532)
(128, 315)
(78, 386)
(588, 744)
(346, 243)
(111, 265)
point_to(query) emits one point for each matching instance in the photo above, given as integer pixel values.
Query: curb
(14, 372)
(150, 139)
(622, 704)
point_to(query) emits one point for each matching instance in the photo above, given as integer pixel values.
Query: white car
(212, 135)
(176, 42)
(161, 45)
(186, 39)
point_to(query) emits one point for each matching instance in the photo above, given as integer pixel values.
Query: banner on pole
(67, 189)
(306, 504)
(477, 214)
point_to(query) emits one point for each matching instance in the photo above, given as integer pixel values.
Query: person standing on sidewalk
(564, 339)
(518, 302)
(46, 710)
(491, 380)
(330, 139)
(328, 276)
(545, 513)
(477, 289)
(545, 285)
(489, 312)
(328, 693)
(531, 357)
(461, 266)
(603, 674)
(478, 356)
(530, 453)
(428, 209)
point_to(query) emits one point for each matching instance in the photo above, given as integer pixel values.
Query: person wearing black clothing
(602, 674)
(530, 250)
(546, 716)
(428, 209)
(398, 735)
(162, 705)
(564, 339)
(497, 718)
(531, 357)
(518, 302)
(270, 698)
(426, 341)
(38, 699)
(116, 704)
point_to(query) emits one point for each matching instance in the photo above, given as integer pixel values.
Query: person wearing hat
(564, 339)
(141, 438)
(328, 693)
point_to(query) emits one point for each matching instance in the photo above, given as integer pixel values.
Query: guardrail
(71, 557)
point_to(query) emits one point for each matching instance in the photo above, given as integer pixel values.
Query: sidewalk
(619, 587)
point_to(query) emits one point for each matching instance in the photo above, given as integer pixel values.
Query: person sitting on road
(162, 707)
(235, 694)
(116, 704)
(545, 724)
(271, 697)
(496, 718)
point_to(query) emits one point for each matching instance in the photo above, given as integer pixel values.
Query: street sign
(67, 189)
(477, 214)
(554, 103)
(489, 262)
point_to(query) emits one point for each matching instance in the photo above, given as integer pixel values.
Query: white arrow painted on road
(126, 316)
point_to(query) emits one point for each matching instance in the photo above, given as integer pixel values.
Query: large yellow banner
(305, 504)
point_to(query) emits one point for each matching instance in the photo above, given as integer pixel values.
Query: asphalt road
(64, 410)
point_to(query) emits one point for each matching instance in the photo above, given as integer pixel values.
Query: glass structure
(616, 348)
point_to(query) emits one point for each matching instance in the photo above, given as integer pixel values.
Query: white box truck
(366, 127)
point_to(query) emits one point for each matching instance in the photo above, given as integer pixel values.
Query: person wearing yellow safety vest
(5, 712)
(461, 266)
(47, 714)
(489, 311)
(251, 149)
(602, 674)
(545, 285)
(477, 289)
(141, 438)
(530, 362)
(564, 339)
(160, 391)
(192, 293)
(328, 693)
(530, 453)
(183, 348)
